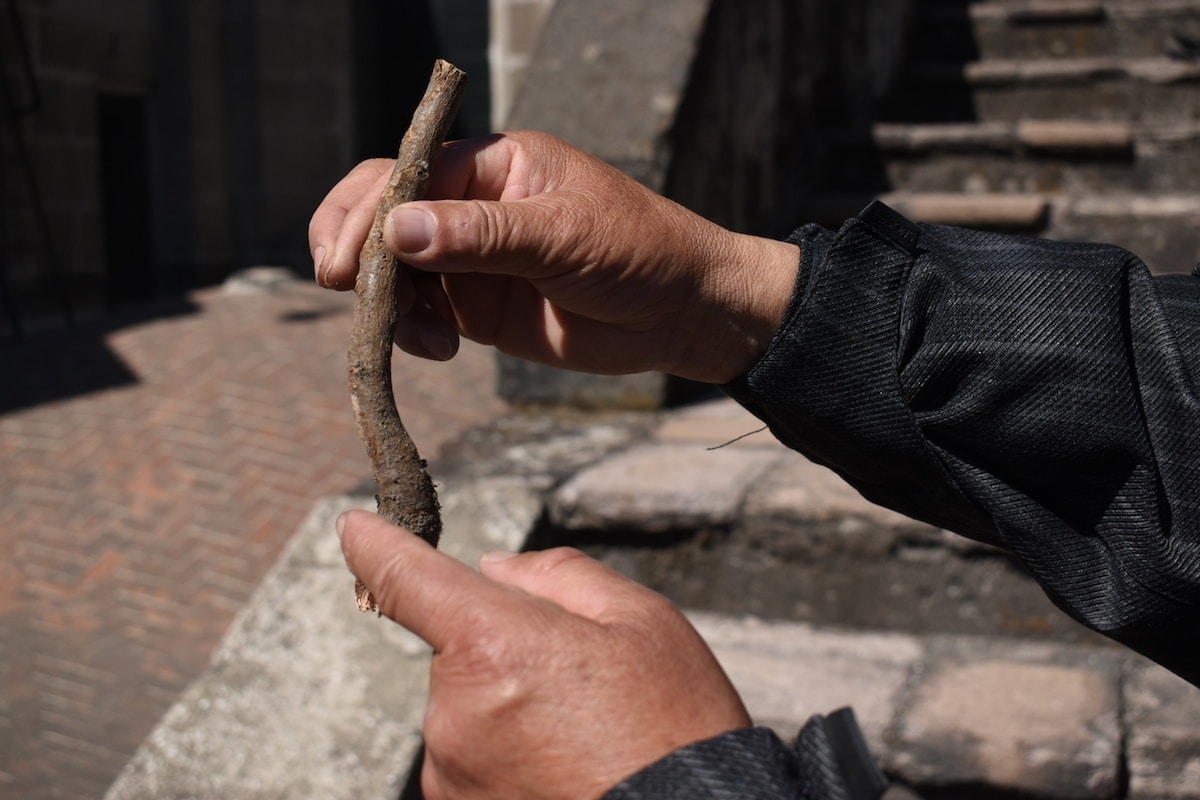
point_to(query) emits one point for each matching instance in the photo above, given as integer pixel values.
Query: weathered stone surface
(547, 445)
(786, 672)
(803, 510)
(1078, 136)
(992, 210)
(1162, 712)
(526, 384)
(1016, 717)
(609, 78)
(717, 423)
(306, 696)
(660, 487)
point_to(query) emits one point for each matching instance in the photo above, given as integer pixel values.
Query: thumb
(568, 577)
(489, 236)
(423, 589)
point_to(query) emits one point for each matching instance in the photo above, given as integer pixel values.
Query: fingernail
(318, 261)
(437, 346)
(340, 524)
(496, 556)
(412, 229)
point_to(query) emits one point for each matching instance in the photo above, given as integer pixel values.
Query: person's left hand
(552, 676)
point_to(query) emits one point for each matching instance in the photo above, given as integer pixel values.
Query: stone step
(1021, 718)
(1100, 88)
(754, 528)
(1161, 230)
(306, 697)
(1060, 156)
(971, 716)
(1008, 29)
(1018, 211)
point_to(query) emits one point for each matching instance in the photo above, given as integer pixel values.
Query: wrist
(748, 286)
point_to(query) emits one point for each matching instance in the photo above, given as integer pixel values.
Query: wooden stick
(405, 495)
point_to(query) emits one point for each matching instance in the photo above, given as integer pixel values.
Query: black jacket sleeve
(827, 761)
(1036, 395)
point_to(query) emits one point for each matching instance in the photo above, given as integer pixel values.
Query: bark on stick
(405, 493)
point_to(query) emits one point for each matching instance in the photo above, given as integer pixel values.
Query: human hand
(552, 676)
(551, 255)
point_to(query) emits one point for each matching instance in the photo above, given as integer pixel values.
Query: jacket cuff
(828, 761)
(828, 385)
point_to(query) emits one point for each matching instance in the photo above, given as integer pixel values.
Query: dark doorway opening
(125, 195)
(395, 45)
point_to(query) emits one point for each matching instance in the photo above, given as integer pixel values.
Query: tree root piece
(405, 494)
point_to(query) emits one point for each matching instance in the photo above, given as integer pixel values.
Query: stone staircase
(1069, 119)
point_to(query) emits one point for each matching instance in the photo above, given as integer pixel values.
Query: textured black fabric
(754, 764)
(1032, 394)
(1036, 395)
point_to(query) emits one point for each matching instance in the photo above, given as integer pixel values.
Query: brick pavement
(152, 465)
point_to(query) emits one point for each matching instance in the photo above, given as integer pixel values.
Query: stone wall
(515, 28)
(169, 142)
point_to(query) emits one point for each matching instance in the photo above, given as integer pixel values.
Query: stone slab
(524, 384)
(805, 510)
(655, 488)
(306, 696)
(717, 423)
(1162, 713)
(1016, 717)
(990, 210)
(609, 78)
(787, 672)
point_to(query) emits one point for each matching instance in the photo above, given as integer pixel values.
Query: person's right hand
(551, 255)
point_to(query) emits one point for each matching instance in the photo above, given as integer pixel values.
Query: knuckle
(487, 222)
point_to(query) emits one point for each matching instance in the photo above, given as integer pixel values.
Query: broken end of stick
(364, 599)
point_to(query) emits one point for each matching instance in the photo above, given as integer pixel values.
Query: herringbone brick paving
(152, 466)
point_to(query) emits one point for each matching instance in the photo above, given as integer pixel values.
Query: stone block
(786, 672)
(1021, 718)
(660, 487)
(1162, 714)
(806, 511)
(717, 423)
(306, 696)
(992, 210)
(524, 383)
(609, 78)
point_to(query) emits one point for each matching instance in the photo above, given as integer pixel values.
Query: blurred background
(172, 386)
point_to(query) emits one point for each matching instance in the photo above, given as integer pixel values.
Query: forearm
(1031, 394)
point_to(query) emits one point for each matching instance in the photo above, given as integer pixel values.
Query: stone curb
(306, 697)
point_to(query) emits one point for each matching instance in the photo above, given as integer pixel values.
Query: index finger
(340, 225)
(426, 591)
(496, 167)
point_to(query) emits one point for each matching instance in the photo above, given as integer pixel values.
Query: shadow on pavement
(72, 360)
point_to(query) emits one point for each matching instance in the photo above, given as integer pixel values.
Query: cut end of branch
(364, 599)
